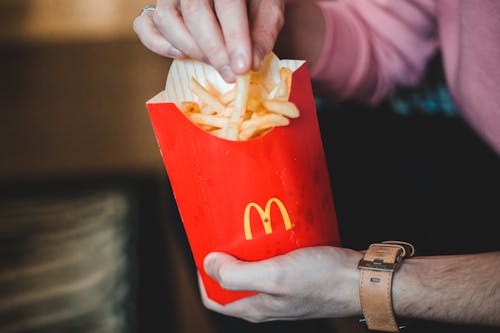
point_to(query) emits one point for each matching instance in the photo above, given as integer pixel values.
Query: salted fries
(254, 105)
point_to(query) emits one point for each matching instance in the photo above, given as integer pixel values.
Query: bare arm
(460, 289)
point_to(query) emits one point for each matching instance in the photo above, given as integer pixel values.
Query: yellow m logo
(265, 215)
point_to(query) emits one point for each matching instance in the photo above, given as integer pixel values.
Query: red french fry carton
(251, 199)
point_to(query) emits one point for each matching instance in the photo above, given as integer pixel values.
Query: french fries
(254, 105)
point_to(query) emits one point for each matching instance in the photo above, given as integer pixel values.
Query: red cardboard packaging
(251, 199)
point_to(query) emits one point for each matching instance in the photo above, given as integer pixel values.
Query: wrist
(342, 283)
(405, 291)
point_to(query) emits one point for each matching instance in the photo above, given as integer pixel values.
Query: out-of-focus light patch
(43, 21)
(431, 102)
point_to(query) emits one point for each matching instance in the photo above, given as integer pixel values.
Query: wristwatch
(376, 269)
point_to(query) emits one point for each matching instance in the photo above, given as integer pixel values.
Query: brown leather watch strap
(376, 271)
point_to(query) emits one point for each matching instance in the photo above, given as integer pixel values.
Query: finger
(201, 22)
(234, 274)
(169, 22)
(233, 19)
(267, 18)
(152, 38)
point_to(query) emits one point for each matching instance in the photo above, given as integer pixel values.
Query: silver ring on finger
(148, 8)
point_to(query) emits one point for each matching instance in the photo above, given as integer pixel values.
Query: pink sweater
(372, 46)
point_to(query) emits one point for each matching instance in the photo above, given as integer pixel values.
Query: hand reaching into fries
(231, 35)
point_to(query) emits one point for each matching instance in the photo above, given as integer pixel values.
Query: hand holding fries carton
(265, 194)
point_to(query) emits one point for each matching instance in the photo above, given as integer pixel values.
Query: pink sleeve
(372, 46)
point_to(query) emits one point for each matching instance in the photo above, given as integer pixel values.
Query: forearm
(335, 47)
(460, 289)
(359, 49)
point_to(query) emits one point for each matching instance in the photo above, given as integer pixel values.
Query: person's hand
(231, 35)
(312, 282)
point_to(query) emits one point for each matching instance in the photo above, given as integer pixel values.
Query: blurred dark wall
(77, 108)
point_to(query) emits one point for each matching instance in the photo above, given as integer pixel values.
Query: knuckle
(216, 56)
(191, 7)
(213, 51)
(192, 51)
(160, 17)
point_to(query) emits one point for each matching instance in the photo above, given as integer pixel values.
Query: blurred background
(84, 242)
(90, 239)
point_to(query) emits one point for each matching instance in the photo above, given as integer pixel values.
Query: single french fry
(210, 120)
(240, 101)
(284, 108)
(205, 96)
(250, 127)
(207, 128)
(265, 73)
(266, 121)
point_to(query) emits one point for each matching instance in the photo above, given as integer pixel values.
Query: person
(361, 50)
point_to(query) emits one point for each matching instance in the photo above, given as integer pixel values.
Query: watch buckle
(407, 250)
(380, 265)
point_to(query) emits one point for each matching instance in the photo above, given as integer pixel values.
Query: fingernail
(239, 63)
(174, 53)
(227, 74)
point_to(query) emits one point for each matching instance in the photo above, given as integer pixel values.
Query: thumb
(267, 19)
(234, 274)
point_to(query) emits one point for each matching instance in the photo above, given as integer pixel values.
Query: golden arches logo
(265, 215)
